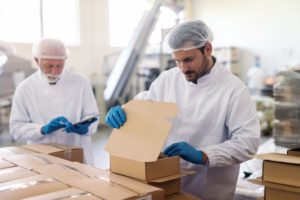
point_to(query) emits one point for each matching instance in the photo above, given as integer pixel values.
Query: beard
(51, 79)
(193, 76)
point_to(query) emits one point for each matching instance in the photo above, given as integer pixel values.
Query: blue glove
(54, 125)
(115, 117)
(185, 151)
(81, 129)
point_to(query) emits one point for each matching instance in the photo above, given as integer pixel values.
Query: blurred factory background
(121, 47)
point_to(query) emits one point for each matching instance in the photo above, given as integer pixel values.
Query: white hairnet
(189, 35)
(50, 49)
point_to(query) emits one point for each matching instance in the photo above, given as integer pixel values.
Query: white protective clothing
(217, 116)
(36, 103)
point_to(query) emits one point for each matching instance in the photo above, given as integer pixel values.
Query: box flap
(145, 131)
(43, 148)
(59, 194)
(28, 161)
(277, 157)
(259, 181)
(5, 164)
(167, 178)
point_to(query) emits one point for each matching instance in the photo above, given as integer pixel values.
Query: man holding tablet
(48, 105)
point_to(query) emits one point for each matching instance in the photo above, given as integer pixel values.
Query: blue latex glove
(185, 151)
(115, 117)
(81, 129)
(54, 125)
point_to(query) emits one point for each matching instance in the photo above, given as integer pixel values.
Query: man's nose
(184, 67)
(55, 71)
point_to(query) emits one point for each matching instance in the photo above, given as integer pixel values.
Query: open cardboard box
(135, 148)
(28, 187)
(275, 191)
(58, 150)
(281, 168)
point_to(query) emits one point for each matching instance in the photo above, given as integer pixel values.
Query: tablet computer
(87, 120)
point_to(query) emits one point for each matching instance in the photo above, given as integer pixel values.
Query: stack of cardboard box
(41, 176)
(135, 148)
(280, 175)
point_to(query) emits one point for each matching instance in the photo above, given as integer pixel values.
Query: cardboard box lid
(28, 161)
(259, 181)
(47, 148)
(5, 164)
(277, 157)
(145, 131)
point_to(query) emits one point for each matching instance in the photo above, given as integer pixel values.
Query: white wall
(267, 28)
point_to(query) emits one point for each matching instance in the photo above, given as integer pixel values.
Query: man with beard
(50, 101)
(216, 128)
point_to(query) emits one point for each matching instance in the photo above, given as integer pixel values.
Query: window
(30, 20)
(124, 16)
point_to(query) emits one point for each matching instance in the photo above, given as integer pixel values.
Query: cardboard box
(136, 146)
(27, 187)
(281, 168)
(57, 150)
(182, 196)
(101, 184)
(5, 164)
(162, 167)
(294, 152)
(275, 191)
(70, 194)
(275, 194)
(14, 173)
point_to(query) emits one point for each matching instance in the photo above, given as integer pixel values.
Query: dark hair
(202, 49)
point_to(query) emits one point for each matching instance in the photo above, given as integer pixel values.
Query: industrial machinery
(117, 89)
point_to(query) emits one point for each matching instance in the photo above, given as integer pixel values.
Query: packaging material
(287, 109)
(136, 146)
(182, 196)
(28, 161)
(5, 164)
(70, 193)
(58, 150)
(14, 173)
(281, 168)
(11, 151)
(294, 152)
(170, 185)
(28, 187)
(102, 184)
(275, 191)
(162, 167)
(275, 194)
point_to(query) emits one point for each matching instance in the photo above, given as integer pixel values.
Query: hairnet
(189, 35)
(50, 49)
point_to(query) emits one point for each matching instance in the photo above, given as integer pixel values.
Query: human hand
(54, 125)
(185, 151)
(81, 128)
(116, 117)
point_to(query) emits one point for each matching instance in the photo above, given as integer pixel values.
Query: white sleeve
(244, 132)
(90, 107)
(20, 126)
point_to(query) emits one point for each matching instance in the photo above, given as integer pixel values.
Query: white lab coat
(216, 115)
(36, 103)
